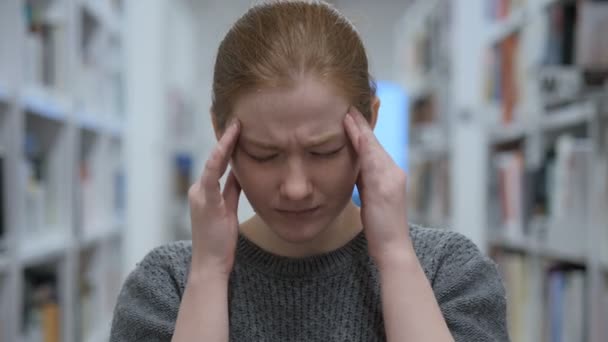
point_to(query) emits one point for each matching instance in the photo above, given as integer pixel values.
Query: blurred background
(496, 108)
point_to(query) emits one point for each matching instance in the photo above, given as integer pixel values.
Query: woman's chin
(298, 233)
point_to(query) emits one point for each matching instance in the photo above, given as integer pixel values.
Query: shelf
(41, 102)
(568, 116)
(104, 13)
(530, 247)
(500, 135)
(101, 234)
(44, 246)
(90, 122)
(503, 28)
(115, 129)
(420, 153)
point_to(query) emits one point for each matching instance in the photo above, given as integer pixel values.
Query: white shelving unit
(420, 39)
(477, 132)
(61, 142)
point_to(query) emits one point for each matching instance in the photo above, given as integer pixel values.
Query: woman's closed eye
(262, 158)
(267, 157)
(329, 153)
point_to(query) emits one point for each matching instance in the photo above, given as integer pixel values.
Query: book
(507, 193)
(565, 309)
(568, 193)
(89, 292)
(429, 192)
(513, 269)
(3, 218)
(561, 25)
(45, 43)
(41, 307)
(119, 193)
(504, 78)
(545, 301)
(591, 47)
(89, 206)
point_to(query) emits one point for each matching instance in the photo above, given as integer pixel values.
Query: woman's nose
(296, 184)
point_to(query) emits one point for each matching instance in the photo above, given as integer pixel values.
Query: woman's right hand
(213, 213)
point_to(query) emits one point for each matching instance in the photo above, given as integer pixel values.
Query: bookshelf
(526, 100)
(62, 174)
(422, 55)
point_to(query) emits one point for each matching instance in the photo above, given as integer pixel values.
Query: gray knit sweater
(330, 297)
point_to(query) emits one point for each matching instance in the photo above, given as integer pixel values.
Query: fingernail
(234, 122)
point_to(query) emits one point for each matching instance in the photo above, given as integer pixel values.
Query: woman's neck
(343, 229)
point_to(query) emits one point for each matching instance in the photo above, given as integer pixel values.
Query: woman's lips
(298, 212)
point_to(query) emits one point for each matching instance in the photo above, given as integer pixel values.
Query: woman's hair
(278, 43)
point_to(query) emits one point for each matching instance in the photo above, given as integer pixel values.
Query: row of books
(429, 47)
(90, 280)
(44, 308)
(569, 39)
(504, 77)
(572, 37)
(42, 305)
(45, 43)
(101, 196)
(545, 302)
(46, 61)
(40, 201)
(557, 191)
(100, 75)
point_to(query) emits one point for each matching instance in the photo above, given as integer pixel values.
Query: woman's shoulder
(438, 247)
(169, 254)
(467, 284)
(170, 260)
(442, 239)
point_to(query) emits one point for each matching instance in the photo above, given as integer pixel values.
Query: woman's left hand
(382, 189)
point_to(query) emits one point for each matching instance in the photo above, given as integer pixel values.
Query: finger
(232, 192)
(220, 157)
(364, 127)
(353, 132)
(355, 129)
(370, 148)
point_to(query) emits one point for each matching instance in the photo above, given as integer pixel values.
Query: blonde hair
(276, 43)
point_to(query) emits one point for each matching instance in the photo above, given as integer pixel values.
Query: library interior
(497, 111)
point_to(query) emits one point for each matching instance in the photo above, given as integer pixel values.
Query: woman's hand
(382, 189)
(213, 213)
(409, 308)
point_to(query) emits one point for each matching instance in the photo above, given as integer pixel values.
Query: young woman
(293, 109)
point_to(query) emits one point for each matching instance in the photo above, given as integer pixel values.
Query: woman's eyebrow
(257, 143)
(324, 139)
(313, 142)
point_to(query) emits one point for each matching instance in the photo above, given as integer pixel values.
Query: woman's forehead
(308, 102)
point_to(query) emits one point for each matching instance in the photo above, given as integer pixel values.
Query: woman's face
(293, 159)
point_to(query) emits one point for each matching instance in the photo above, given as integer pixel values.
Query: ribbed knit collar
(250, 254)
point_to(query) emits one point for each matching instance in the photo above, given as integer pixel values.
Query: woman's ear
(374, 111)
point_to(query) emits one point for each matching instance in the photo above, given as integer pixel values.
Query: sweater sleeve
(147, 306)
(470, 292)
